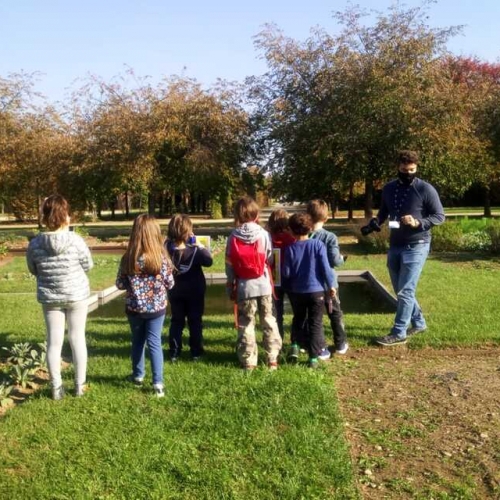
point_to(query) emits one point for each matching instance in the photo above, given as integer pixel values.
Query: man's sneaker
(342, 349)
(414, 330)
(80, 390)
(324, 354)
(313, 363)
(159, 391)
(390, 340)
(138, 381)
(293, 356)
(57, 393)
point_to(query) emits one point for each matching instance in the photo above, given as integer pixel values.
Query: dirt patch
(423, 424)
(5, 260)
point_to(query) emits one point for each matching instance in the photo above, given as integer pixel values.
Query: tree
(336, 109)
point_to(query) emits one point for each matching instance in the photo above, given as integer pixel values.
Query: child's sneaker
(324, 354)
(313, 363)
(159, 391)
(248, 368)
(272, 365)
(342, 349)
(294, 353)
(80, 390)
(57, 393)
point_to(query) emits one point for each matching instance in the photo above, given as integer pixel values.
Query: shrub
(476, 241)
(81, 231)
(447, 237)
(22, 375)
(493, 231)
(374, 242)
(5, 390)
(215, 209)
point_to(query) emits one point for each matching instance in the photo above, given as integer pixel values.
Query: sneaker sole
(391, 344)
(409, 333)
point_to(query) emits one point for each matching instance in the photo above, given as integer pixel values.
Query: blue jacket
(306, 268)
(331, 242)
(420, 200)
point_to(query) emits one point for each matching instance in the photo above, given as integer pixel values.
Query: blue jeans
(405, 265)
(147, 331)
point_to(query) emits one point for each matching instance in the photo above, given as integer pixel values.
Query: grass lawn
(15, 277)
(218, 433)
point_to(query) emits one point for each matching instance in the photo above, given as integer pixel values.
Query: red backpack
(248, 259)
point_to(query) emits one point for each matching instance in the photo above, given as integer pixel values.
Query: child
(306, 272)
(146, 274)
(318, 210)
(248, 256)
(281, 238)
(60, 260)
(187, 298)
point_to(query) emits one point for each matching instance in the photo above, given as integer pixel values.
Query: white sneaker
(343, 349)
(80, 390)
(324, 354)
(159, 391)
(57, 393)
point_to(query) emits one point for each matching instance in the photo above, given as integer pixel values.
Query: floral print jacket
(146, 293)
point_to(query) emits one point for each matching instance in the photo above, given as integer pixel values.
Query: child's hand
(333, 293)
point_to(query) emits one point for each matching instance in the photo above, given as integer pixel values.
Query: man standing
(413, 207)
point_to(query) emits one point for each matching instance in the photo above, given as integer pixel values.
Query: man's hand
(332, 292)
(409, 220)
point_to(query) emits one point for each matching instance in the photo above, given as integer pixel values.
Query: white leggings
(55, 317)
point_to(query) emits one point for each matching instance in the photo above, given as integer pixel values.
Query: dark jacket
(188, 273)
(420, 200)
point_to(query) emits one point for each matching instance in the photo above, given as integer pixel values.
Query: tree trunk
(127, 207)
(487, 200)
(39, 212)
(368, 198)
(350, 209)
(151, 203)
(333, 207)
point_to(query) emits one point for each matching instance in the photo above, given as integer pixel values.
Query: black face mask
(406, 178)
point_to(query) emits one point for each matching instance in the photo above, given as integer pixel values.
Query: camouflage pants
(246, 346)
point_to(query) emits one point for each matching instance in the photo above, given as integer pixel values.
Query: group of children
(307, 255)
(153, 272)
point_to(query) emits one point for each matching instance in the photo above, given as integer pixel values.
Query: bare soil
(423, 424)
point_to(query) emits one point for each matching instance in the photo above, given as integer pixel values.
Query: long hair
(145, 241)
(55, 212)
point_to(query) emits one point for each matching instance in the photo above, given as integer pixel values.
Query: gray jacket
(257, 287)
(59, 260)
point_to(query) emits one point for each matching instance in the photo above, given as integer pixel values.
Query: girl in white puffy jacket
(60, 260)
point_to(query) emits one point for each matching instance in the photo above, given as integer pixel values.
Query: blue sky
(68, 39)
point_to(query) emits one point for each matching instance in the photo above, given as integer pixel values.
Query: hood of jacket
(248, 232)
(55, 243)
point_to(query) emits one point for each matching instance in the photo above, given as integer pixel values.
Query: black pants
(192, 309)
(279, 307)
(308, 308)
(336, 318)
